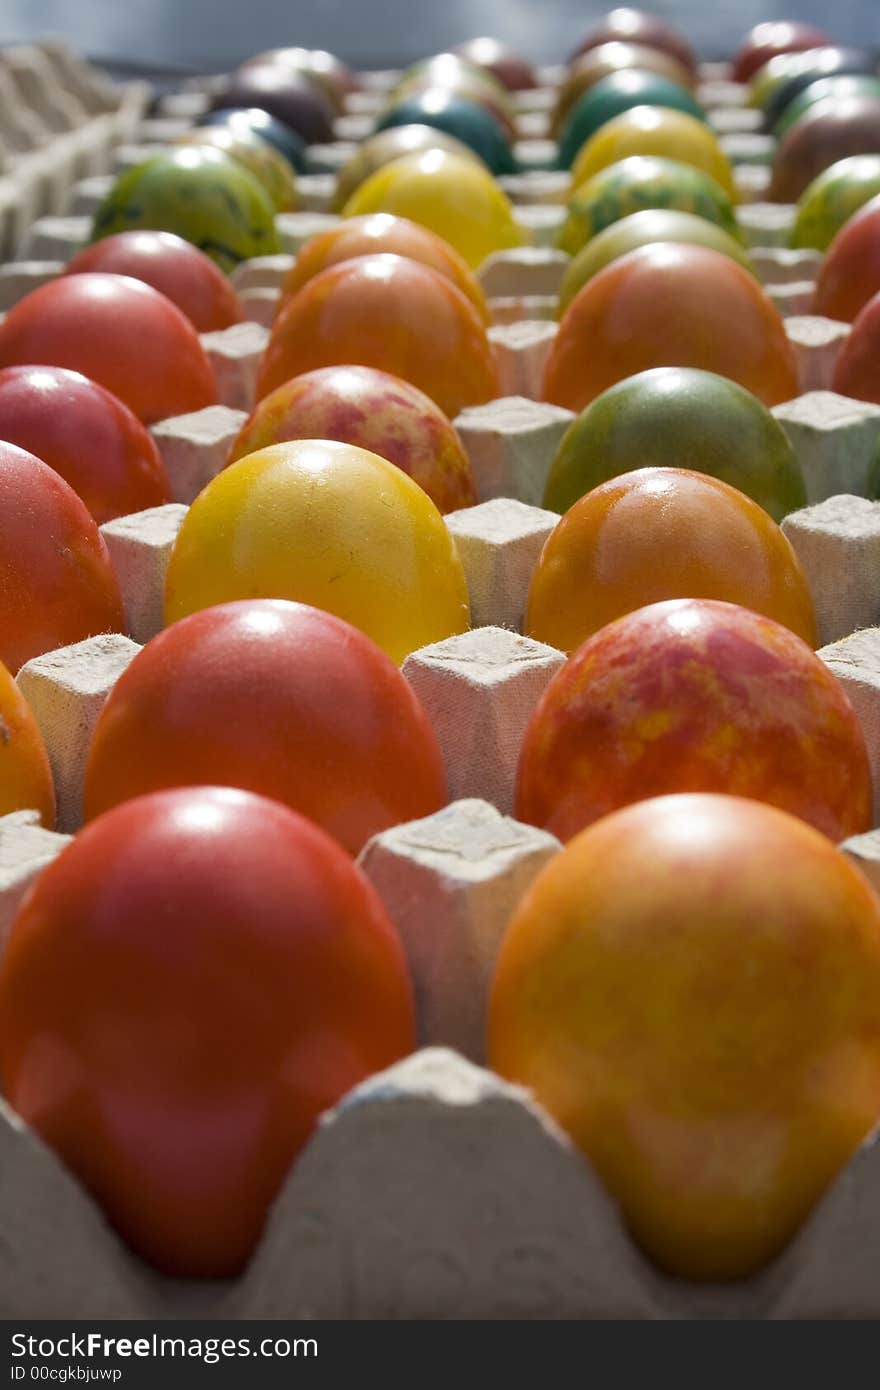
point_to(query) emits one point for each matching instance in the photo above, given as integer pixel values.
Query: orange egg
(692, 990)
(670, 305)
(662, 533)
(387, 312)
(378, 233)
(25, 775)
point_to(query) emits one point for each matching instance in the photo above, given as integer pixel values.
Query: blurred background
(210, 35)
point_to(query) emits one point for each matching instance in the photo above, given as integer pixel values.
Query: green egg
(260, 158)
(678, 417)
(842, 85)
(201, 194)
(639, 182)
(833, 198)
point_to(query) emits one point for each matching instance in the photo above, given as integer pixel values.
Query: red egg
(670, 305)
(323, 720)
(387, 312)
(694, 695)
(768, 40)
(119, 332)
(830, 130)
(375, 411)
(191, 983)
(57, 584)
(87, 435)
(511, 70)
(857, 370)
(294, 98)
(332, 76)
(635, 26)
(850, 273)
(174, 267)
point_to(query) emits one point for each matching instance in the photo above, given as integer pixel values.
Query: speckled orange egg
(375, 411)
(694, 695)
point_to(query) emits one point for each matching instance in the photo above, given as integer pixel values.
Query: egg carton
(436, 1189)
(433, 1189)
(60, 120)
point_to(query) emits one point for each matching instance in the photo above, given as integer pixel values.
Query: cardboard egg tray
(60, 121)
(436, 1189)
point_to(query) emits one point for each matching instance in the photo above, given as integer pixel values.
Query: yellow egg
(654, 130)
(389, 144)
(327, 524)
(454, 197)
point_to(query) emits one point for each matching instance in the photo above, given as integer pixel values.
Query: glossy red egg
(87, 435)
(850, 273)
(174, 267)
(57, 585)
(323, 720)
(192, 982)
(769, 39)
(857, 370)
(119, 332)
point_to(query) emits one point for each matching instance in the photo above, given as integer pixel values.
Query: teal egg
(617, 93)
(844, 85)
(284, 139)
(472, 124)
